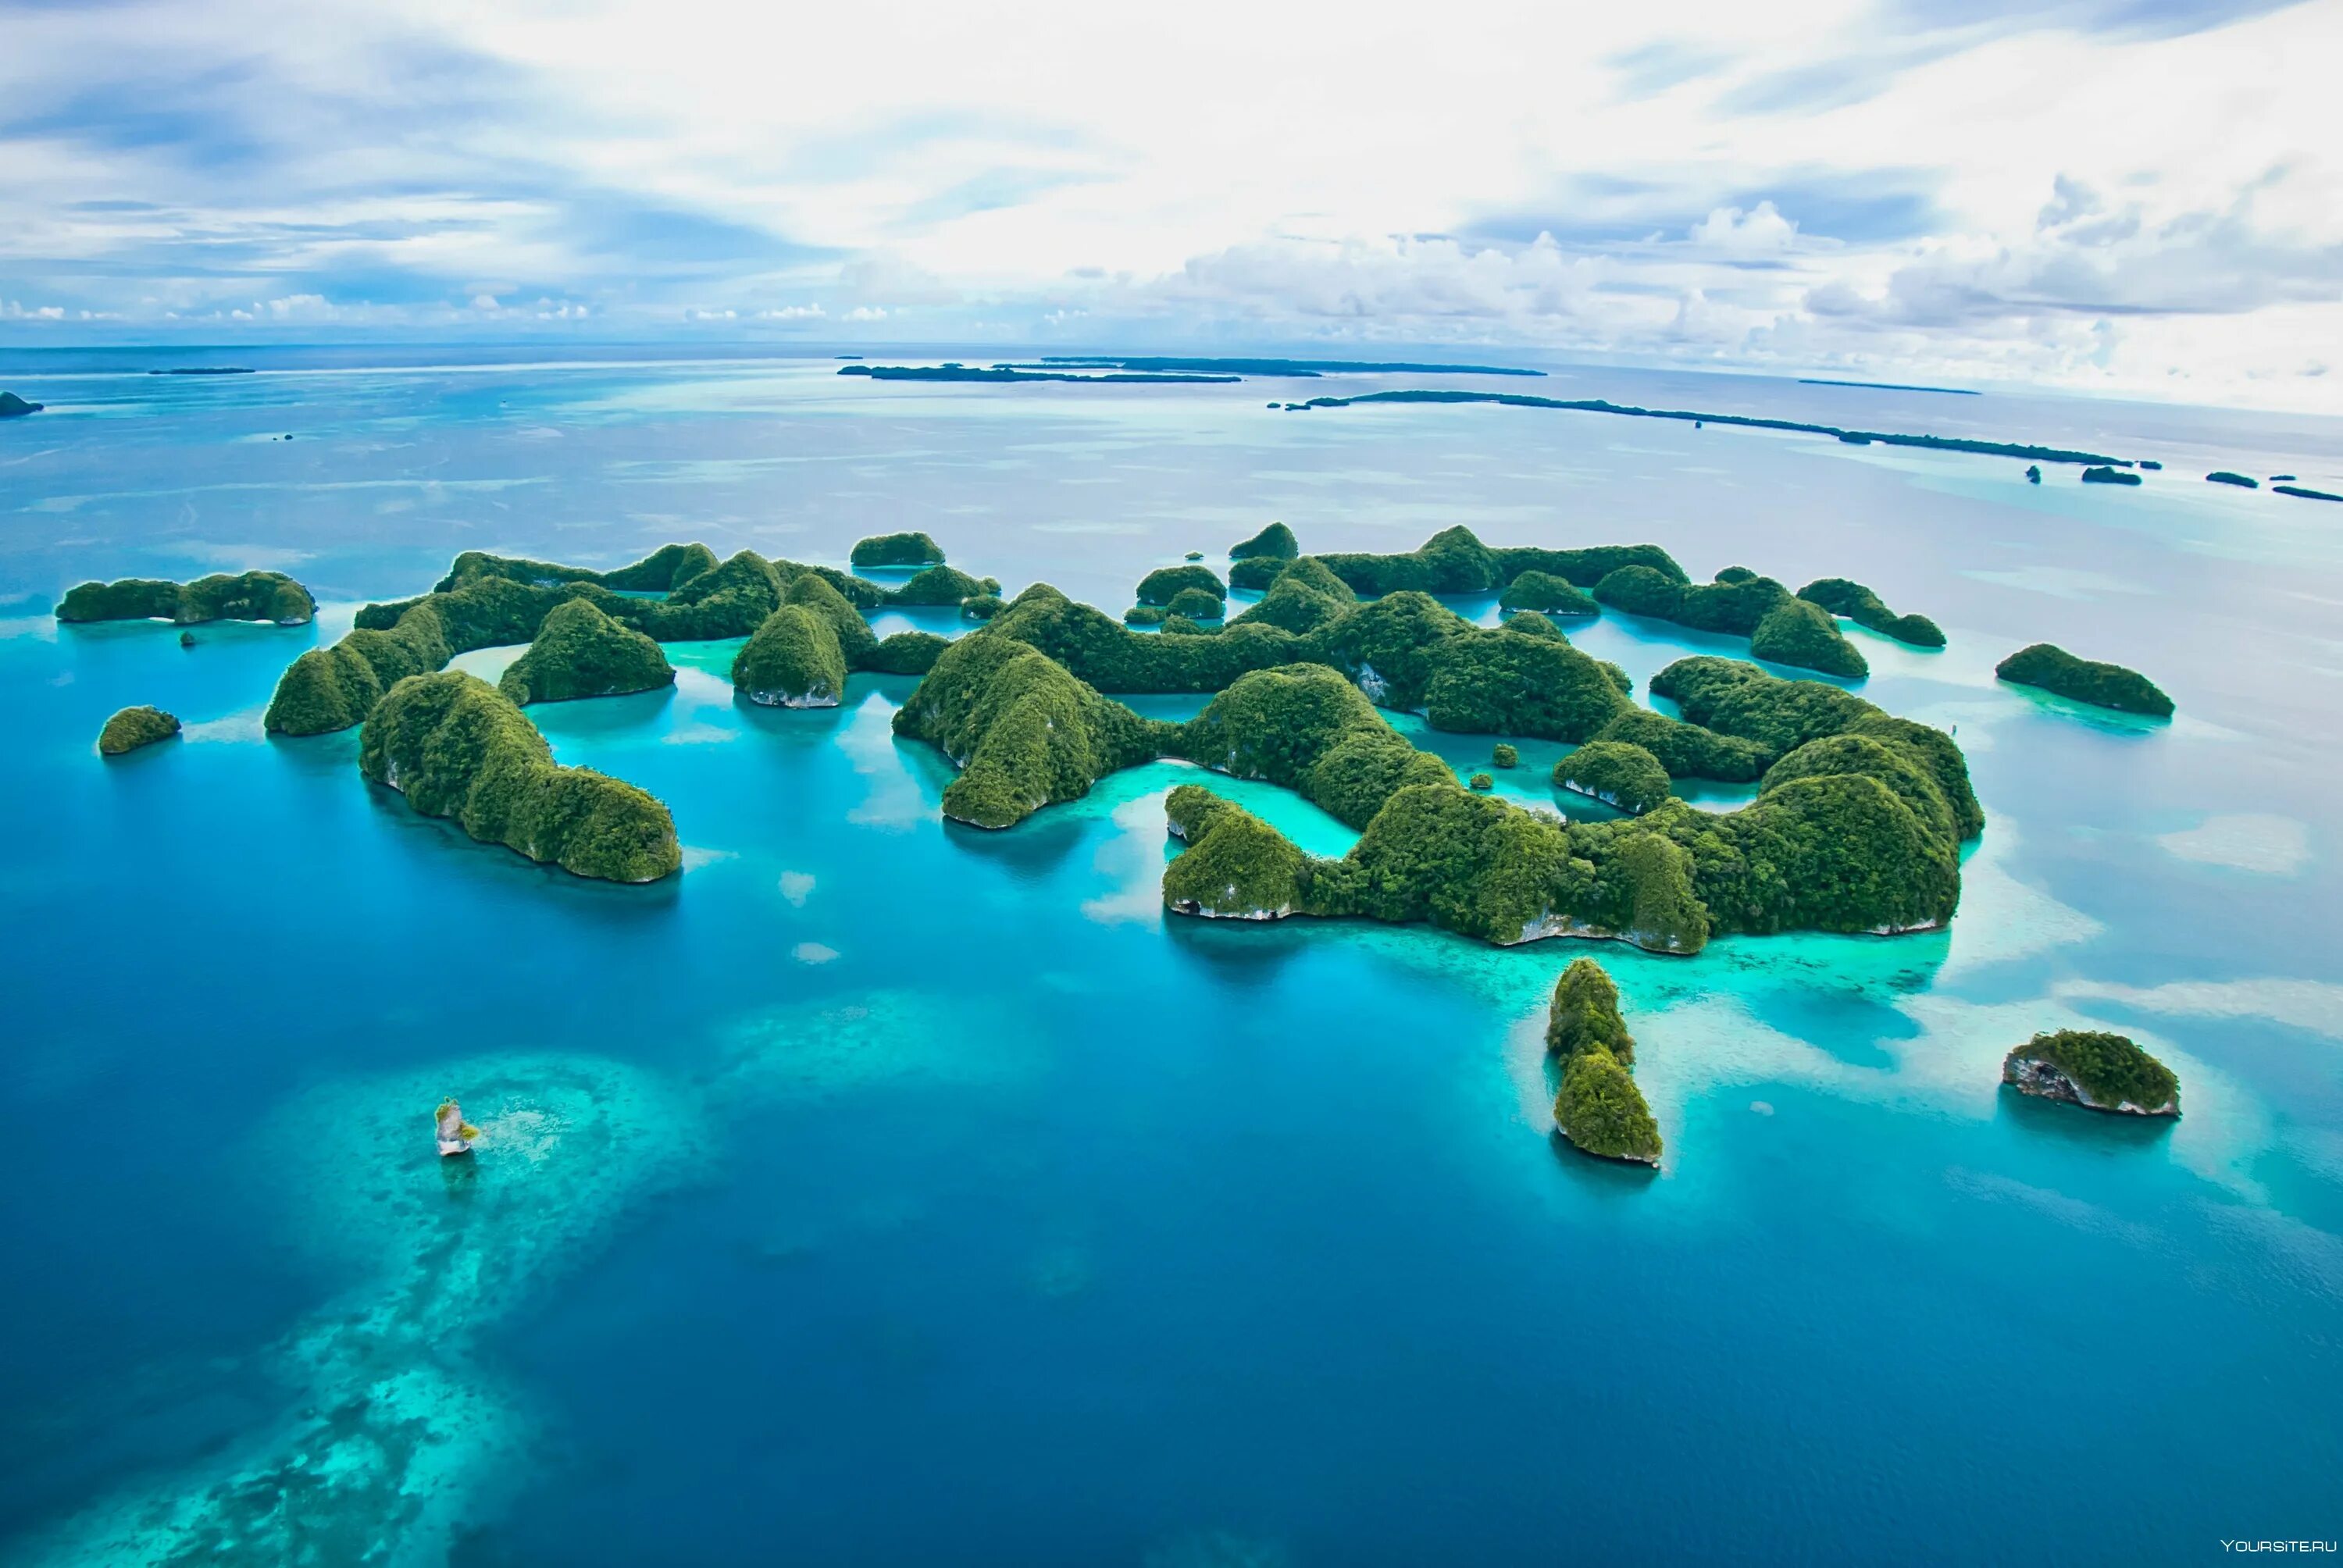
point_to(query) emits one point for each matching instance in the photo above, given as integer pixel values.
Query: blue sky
(2126, 196)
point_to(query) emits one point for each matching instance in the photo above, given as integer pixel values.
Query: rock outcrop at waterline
(2096, 1071)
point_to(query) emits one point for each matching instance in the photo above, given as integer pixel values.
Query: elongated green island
(244, 595)
(2097, 1070)
(2053, 669)
(458, 748)
(906, 549)
(1598, 1108)
(1858, 604)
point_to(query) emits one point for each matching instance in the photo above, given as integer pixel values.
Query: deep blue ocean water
(885, 1191)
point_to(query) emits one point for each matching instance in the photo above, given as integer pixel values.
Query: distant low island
(1003, 373)
(14, 407)
(2304, 493)
(205, 370)
(1603, 406)
(1289, 368)
(1887, 387)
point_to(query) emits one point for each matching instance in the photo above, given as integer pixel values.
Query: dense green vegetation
(1511, 682)
(2103, 475)
(133, 728)
(2053, 669)
(458, 748)
(1195, 604)
(1304, 597)
(1481, 781)
(1455, 561)
(1024, 731)
(794, 660)
(1275, 542)
(1734, 698)
(2110, 1071)
(1860, 605)
(1547, 593)
(896, 550)
(1180, 626)
(1797, 633)
(1602, 1111)
(1254, 574)
(334, 688)
(1615, 773)
(244, 595)
(1235, 865)
(982, 606)
(1163, 584)
(579, 651)
(1306, 728)
(1505, 756)
(938, 585)
(906, 653)
(1144, 614)
(1584, 1013)
(1781, 627)
(1687, 750)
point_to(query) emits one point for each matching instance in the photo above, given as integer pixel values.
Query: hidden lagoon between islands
(1856, 827)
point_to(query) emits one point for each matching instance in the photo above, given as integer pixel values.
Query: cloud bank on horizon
(2133, 196)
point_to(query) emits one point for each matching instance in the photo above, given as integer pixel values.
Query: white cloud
(2068, 195)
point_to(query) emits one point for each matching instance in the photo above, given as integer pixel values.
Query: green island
(1195, 604)
(1235, 367)
(2097, 1070)
(487, 600)
(1548, 595)
(2224, 477)
(1858, 604)
(1159, 587)
(1617, 773)
(580, 652)
(2103, 475)
(133, 728)
(1782, 628)
(2053, 669)
(1848, 837)
(912, 549)
(2304, 493)
(1275, 542)
(244, 595)
(1505, 756)
(14, 407)
(455, 747)
(1598, 1108)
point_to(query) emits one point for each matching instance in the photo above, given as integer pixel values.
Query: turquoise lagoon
(881, 1191)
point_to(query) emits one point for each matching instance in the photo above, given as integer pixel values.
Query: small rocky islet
(14, 407)
(2094, 1069)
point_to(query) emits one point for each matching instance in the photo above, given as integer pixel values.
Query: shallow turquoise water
(881, 1191)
